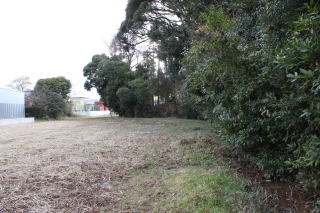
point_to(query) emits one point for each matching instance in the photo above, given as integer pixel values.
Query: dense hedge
(47, 105)
(255, 71)
(35, 112)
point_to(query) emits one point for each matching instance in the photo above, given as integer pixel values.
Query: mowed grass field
(119, 165)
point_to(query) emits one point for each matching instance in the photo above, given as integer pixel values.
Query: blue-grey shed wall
(11, 104)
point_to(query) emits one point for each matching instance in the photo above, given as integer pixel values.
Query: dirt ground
(73, 166)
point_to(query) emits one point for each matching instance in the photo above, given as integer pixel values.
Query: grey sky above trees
(43, 39)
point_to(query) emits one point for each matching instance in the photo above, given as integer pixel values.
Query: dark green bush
(35, 112)
(258, 77)
(56, 105)
(107, 75)
(185, 105)
(127, 101)
(300, 60)
(144, 98)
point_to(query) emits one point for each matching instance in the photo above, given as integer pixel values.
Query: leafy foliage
(107, 75)
(35, 112)
(59, 85)
(168, 27)
(56, 105)
(49, 98)
(258, 78)
(127, 101)
(126, 93)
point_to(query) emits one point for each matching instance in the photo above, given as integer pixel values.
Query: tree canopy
(59, 85)
(49, 98)
(107, 75)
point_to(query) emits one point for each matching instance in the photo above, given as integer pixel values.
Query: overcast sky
(49, 38)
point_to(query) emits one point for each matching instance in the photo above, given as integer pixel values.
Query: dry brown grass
(59, 166)
(109, 165)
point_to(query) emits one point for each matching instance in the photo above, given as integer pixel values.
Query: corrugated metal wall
(11, 104)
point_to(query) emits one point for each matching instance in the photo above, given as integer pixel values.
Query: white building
(12, 108)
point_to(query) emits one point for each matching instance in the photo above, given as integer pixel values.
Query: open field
(72, 166)
(118, 165)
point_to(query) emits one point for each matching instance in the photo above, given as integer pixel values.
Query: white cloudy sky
(48, 38)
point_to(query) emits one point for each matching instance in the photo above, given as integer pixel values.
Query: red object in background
(101, 106)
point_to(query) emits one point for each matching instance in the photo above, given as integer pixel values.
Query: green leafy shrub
(185, 105)
(107, 75)
(35, 112)
(144, 99)
(127, 101)
(258, 78)
(300, 60)
(56, 105)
